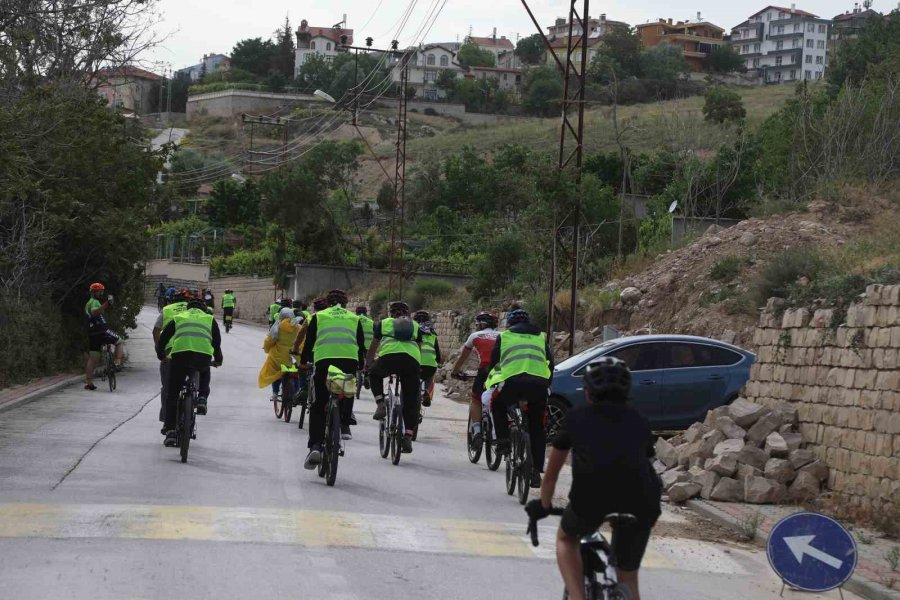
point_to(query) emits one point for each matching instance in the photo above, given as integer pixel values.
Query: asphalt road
(93, 506)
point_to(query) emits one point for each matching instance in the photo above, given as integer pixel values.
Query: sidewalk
(872, 570)
(19, 394)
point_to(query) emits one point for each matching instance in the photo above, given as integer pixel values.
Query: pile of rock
(744, 452)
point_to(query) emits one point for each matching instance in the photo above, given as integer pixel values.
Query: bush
(723, 105)
(780, 275)
(536, 305)
(430, 112)
(727, 268)
(378, 302)
(426, 291)
(242, 262)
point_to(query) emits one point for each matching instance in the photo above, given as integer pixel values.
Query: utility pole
(169, 93)
(266, 157)
(574, 71)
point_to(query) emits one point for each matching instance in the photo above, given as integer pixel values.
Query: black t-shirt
(612, 446)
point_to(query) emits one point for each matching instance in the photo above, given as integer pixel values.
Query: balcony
(784, 36)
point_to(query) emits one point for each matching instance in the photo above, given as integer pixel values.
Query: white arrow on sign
(802, 544)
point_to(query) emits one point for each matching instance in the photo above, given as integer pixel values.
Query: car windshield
(574, 361)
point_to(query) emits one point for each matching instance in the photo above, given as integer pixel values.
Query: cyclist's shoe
(313, 458)
(502, 447)
(535, 479)
(90, 386)
(406, 444)
(273, 397)
(352, 420)
(477, 438)
(201, 405)
(171, 439)
(380, 411)
(345, 432)
(426, 401)
(163, 431)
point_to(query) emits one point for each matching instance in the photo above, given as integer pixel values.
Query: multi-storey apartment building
(321, 41)
(783, 44)
(695, 39)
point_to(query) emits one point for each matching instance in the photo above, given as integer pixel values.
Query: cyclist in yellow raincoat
(277, 345)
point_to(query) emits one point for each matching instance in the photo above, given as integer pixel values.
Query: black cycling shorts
(96, 341)
(478, 383)
(631, 540)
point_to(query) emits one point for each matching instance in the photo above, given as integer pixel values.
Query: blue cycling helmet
(517, 316)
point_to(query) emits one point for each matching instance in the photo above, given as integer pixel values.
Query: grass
(727, 268)
(749, 525)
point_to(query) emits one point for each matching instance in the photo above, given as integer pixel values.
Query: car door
(646, 377)
(695, 380)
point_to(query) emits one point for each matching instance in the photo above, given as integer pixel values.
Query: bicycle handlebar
(532, 524)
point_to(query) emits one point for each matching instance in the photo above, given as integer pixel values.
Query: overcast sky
(199, 27)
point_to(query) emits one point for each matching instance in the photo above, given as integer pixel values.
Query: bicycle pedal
(341, 452)
(193, 436)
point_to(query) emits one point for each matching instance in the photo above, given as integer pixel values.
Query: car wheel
(556, 410)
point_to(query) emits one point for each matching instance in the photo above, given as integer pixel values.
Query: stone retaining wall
(843, 375)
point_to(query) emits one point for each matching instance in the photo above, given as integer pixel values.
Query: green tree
(531, 49)
(446, 79)
(724, 59)
(233, 204)
(664, 62)
(623, 46)
(254, 55)
(875, 54)
(470, 55)
(283, 55)
(385, 198)
(543, 91)
(721, 105)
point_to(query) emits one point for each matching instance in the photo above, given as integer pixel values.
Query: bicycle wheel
(511, 467)
(333, 445)
(617, 592)
(491, 456)
(384, 438)
(396, 435)
(287, 391)
(302, 414)
(524, 467)
(474, 451)
(359, 384)
(187, 424)
(278, 403)
(111, 370)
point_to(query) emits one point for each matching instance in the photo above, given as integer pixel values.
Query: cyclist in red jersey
(482, 340)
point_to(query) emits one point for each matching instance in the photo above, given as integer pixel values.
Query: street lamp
(324, 96)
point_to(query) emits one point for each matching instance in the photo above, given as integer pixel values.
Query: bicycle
(160, 302)
(228, 320)
(518, 458)
(488, 436)
(186, 411)
(340, 385)
(362, 381)
(423, 393)
(305, 395)
(285, 399)
(108, 365)
(598, 557)
(391, 427)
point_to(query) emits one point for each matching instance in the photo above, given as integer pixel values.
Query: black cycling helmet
(337, 296)
(421, 316)
(398, 309)
(195, 302)
(298, 305)
(608, 376)
(362, 310)
(320, 304)
(285, 302)
(487, 319)
(517, 316)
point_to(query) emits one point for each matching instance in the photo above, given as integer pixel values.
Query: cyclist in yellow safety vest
(367, 323)
(521, 368)
(396, 341)
(431, 354)
(188, 342)
(229, 302)
(177, 302)
(334, 337)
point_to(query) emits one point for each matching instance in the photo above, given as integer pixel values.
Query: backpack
(403, 329)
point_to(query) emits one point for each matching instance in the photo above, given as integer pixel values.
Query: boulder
(682, 492)
(694, 471)
(728, 490)
(630, 296)
(776, 445)
(745, 413)
(685, 452)
(793, 440)
(696, 462)
(724, 464)
(694, 432)
(787, 412)
(817, 469)
(673, 476)
(732, 445)
(805, 487)
(801, 458)
(753, 456)
(759, 490)
(708, 442)
(763, 427)
(666, 453)
(745, 471)
(731, 429)
(707, 481)
(711, 416)
(747, 240)
(779, 470)
(659, 467)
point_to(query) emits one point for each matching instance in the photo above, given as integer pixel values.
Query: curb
(44, 391)
(862, 587)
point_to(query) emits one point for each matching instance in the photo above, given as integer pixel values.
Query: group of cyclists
(611, 444)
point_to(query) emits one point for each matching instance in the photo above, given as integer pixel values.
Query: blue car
(676, 379)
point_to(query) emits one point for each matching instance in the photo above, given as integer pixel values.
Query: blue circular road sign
(812, 552)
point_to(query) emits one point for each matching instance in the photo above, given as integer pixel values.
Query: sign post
(811, 552)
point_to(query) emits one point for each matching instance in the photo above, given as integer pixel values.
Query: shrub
(425, 291)
(243, 262)
(430, 112)
(536, 305)
(378, 302)
(723, 105)
(780, 275)
(727, 268)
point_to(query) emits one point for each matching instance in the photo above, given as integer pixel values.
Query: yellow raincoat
(278, 352)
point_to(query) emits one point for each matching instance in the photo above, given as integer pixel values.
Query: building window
(823, 28)
(807, 74)
(518, 79)
(745, 49)
(328, 47)
(810, 43)
(756, 63)
(793, 74)
(756, 47)
(780, 29)
(768, 16)
(811, 27)
(431, 94)
(445, 61)
(779, 45)
(312, 45)
(782, 15)
(809, 59)
(796, 27)
(430, 76)
(818, 74)
(504, 77)
(430, 59)
(777, 61)
(820, 60)
(795, 58)
(820, 44)
(795, 43)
